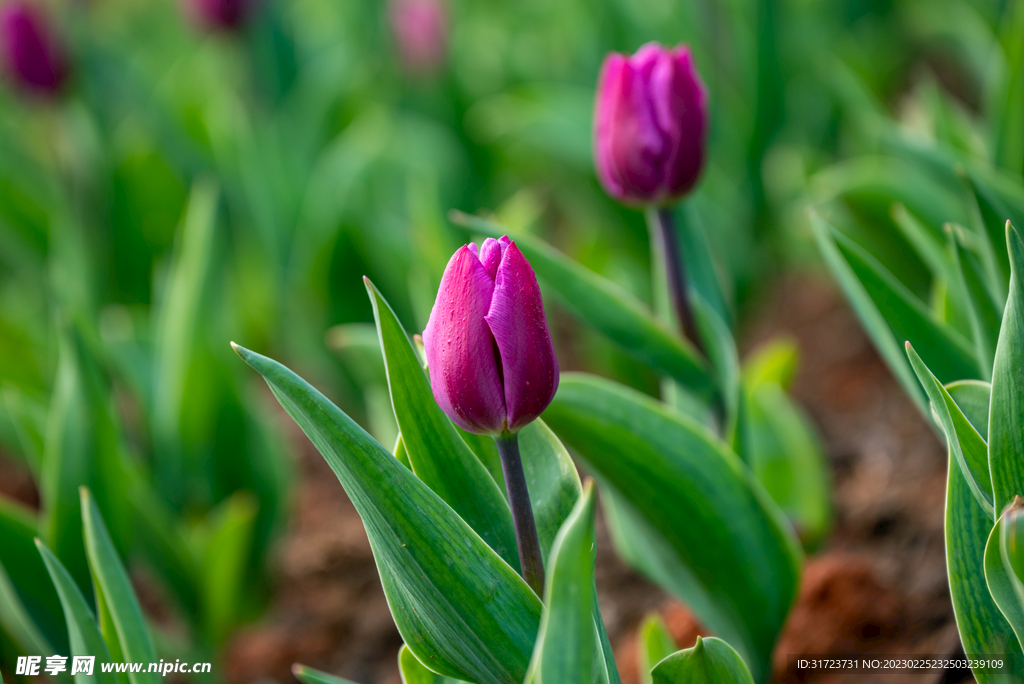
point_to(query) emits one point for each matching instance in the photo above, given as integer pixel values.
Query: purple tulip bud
(219, 15)
(650, 125)
(420, 29)
(492, 366)
(31, 56)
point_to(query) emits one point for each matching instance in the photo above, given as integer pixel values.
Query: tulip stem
(530, 558)
(663, 231)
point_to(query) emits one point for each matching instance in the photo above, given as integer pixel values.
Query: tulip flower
(492, 365)
(30, 53)
(650, 134)
(220, 15)
(420, 30)
(650, 125)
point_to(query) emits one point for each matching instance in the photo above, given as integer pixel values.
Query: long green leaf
(132, 631)
(437, 454)
(654, 643)
(710, 661)
(308, 675)
(414, 672)
(83, 448)
(567, 649)
(787, 457)
(606, 307)
(700, 260)
(1003, 583)
(982, 627)
(175, 330)
(966, 446)
(907, 317)
(993, 195)
(690, 515)
(223, 563)
(1006, 415)
(30, 610)
(83, 633)
(725, 361)
(1010, 531)
(972, 397)
(985, 317)
(161, 540)
(1007, 100)
(891, 316)
(455, 602)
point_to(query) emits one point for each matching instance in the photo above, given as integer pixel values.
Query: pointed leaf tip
(243, 353)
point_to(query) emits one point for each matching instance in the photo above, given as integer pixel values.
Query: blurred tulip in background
(420, 30)
(220, 15)
(31, 55)
(650, 125)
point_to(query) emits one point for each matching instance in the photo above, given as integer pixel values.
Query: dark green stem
(675, 272)
(530, 559)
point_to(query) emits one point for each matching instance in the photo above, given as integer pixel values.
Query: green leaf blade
(607, 308)
(414, 672)
(308, 675)
(891, 316)
(728, 553)
(436, 452)
(710, 661)
(567, 648)
(455, 601)
(1006, 414)
(966, 447)
(132, 631)
(83, 632)
(655, 643)
(1003, 582)
(985, 317)
(30, 609)
(981, 624)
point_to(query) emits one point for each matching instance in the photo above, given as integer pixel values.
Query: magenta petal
(520, 328)
(29, 50)
(650, 125)
(608, 87)
(460, 348)
(630, 147)
(491, 253)
(683, 112)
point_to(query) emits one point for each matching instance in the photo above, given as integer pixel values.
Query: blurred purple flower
(220, 15)
(650, 125)
(492, 365)
(30, 53)
(420, 29)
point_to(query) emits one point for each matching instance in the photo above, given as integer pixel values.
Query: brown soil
(878, 586)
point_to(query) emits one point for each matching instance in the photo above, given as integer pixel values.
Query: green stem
(530, 559)
(665, 243)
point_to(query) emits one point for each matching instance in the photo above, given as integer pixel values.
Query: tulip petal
(491, 253)
(608, 87)
(460, 348)
(680, 106)
(631, 147)
(520, 328)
